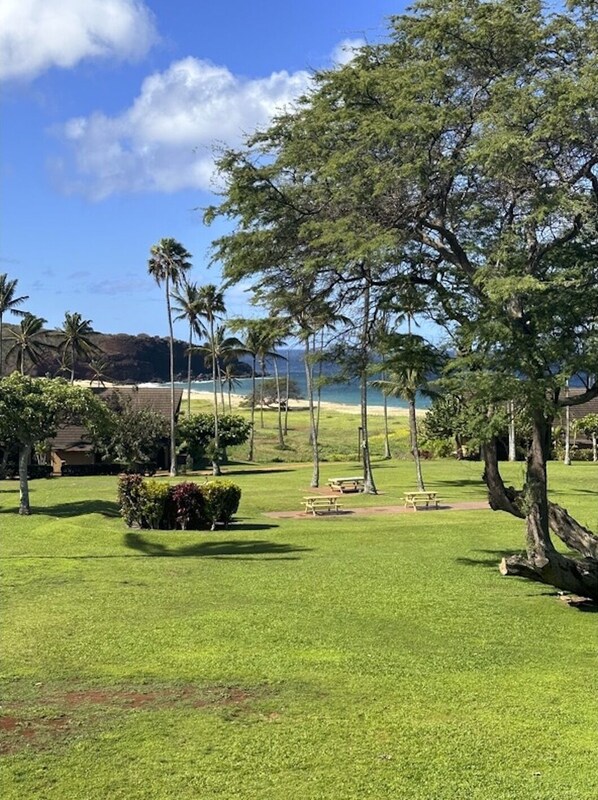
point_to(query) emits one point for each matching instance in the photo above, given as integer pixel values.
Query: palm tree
(225, 349)
(8, 302)
(26, 341)
(98, 367)
(168, 264)
(75, 340)
(408, 368)
(251, 346)
(274, 331)
(210, 301)
(188, 309)
(230, 380)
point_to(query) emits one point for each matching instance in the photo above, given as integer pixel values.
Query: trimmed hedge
(185, 506)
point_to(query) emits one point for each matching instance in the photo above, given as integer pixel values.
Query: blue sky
(110, 112)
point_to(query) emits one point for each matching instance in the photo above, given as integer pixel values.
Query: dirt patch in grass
(93, 707)
(158, 698)
(17, 733)
(474, 505)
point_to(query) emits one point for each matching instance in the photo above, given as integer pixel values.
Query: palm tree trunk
(189, 371)
(221, 385)
(594, 447)
(215, 460)
(415, 444)
(263, 370)
(387, 453)
(315, 476)
(369, 486)
(252, 431)
(278, 399)
(512, 442)
(24, 453)
(287, 390)
(72, 362)
(173, 464)
(319, 408)
(1, 346)
(567, 455)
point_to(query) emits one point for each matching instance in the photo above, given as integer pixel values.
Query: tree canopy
(460, 158)
(32, 410)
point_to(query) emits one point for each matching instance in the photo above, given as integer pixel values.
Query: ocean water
(345, 393)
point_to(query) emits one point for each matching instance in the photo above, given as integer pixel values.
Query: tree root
(578, 576)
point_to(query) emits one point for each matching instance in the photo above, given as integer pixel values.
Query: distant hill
(129, 359)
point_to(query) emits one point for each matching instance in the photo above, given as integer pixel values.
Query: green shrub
(154, 498)
(130, 498)
(187, 505)
(221, 501)
(438, 448)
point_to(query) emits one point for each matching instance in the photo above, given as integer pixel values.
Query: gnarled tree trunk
(543, 562)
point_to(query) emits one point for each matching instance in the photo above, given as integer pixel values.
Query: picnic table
(353, 484)
(413, 498)
(327, 503)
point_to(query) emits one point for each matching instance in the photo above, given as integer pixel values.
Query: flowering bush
(184, 506)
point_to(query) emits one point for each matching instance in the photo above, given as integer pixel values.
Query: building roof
(582, 410)
(156, 398)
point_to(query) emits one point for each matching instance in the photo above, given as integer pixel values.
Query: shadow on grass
(460, 482)
(493, 561)
(76, 509)
(240, 550)
(255, 471)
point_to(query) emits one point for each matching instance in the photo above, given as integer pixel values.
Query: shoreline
(301, 405)
(294, 405)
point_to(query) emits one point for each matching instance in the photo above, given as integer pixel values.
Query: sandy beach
(294, 405)
(301, 405)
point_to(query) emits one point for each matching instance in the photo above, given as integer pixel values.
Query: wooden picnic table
(413, 498)
(352, 484)
(328, 503)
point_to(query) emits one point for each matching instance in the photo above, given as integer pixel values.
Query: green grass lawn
(338, 434)
(344, 657)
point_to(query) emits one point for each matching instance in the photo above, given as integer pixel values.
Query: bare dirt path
(474, 505)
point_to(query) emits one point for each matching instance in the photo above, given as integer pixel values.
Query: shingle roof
(75, 437)
(590, 407)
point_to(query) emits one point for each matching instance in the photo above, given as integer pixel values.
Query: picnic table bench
(413, 498)
(354, 484)
(328, 503)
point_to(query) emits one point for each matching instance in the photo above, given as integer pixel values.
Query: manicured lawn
(341, 658)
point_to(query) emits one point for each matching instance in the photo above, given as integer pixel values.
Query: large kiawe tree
(464, 152)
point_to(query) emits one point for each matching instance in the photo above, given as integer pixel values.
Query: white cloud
(36, 35)
(164, 141)
(346, 51)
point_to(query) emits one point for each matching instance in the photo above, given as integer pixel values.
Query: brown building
(72, 444)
